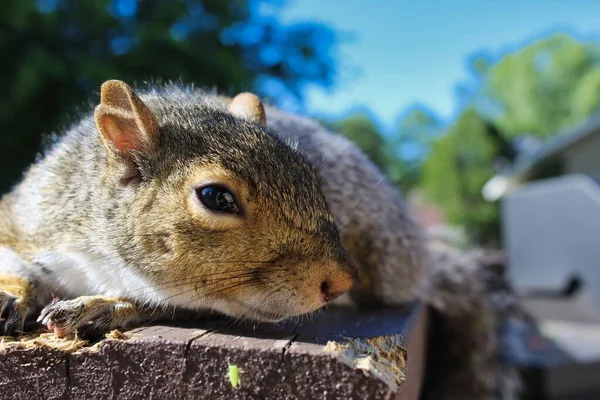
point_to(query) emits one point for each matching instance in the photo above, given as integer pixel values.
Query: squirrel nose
(334, 287)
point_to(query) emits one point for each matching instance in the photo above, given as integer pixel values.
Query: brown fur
(119, 186)
(122, 187)
(15, 285)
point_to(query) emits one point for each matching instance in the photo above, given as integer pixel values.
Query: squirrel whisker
(342, 223)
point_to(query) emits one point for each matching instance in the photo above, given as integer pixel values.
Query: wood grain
(281, 361)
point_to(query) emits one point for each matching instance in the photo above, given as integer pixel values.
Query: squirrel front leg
(97, 314)
(20, 292)
(17, 301)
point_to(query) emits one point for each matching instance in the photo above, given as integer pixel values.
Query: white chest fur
(86, 273)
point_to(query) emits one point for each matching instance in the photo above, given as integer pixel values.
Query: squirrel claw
(13, 310)
(87, 315)
(6, 303)
(65, 316)
(18, 299)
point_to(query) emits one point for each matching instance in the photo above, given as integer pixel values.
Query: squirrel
(172, 197)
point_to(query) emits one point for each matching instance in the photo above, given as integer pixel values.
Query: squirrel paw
(88, 314)
(17, 301)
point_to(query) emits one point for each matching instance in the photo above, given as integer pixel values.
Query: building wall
(584, 157)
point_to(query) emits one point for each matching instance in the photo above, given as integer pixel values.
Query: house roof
(557, 145)
(501, 184)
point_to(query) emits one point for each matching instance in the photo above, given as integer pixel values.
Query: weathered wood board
(282, 361)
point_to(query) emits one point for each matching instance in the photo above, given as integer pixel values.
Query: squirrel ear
(248, 106)
(124, 120)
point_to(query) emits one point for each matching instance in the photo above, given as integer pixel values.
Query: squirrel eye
(217, 198)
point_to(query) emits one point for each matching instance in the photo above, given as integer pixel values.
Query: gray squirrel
(172, 197)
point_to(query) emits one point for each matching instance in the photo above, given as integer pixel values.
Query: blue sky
(406, 52)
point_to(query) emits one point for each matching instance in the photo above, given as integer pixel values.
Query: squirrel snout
(335, 286)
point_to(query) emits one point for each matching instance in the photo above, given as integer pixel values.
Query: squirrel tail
(469, 299)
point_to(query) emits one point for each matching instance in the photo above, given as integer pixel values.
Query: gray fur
(64, 198)
(385, 242)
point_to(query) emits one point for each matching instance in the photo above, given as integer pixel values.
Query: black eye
(218, 199)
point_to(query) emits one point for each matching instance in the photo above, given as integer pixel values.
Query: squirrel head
(213, 208)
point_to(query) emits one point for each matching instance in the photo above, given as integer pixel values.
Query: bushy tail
(470, 298)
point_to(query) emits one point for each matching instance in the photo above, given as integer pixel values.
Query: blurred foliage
(537, 91)
(459, 165)
(362, 130)
(400, 155)
(56, 53)
(416, 131)
(540, 91)
(547, 87)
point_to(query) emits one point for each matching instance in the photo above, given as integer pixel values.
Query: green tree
(456, 171)
(362, 130)
(544, 88)
(56, 53)
(381, 149)
(416, 131)
(540, 90)
(398, 154)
